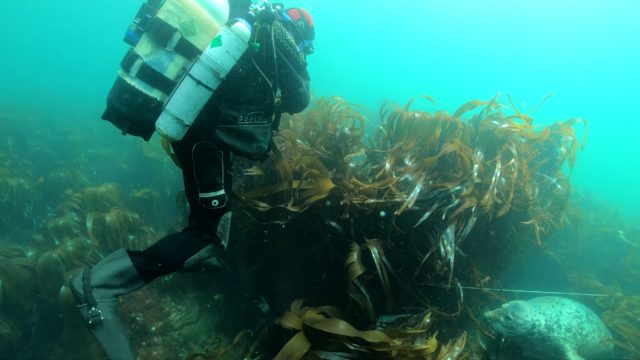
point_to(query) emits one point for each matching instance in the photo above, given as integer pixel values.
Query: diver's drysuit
(239, 118)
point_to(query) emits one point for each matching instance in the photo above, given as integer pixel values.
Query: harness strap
(134, 65)
(94, 315)
(275, 124)
(171, 38)
(276, 152)
(166, 145)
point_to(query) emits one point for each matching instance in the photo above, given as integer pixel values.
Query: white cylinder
(203, 78)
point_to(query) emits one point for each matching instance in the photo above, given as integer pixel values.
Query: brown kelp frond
(472, 171)
(596, 233)
(66, 225)
(360, 296)
(17, 283)
(101, 214)
(623, 318)
(53, 265)
(17, 192)
(621, 314)
(453, 349)
(53, 175)
(148, 204)
(434, 189)
(99, 198)
(118, 228)
(331, 129)
(321, 332)
(355, 268)
(415, 202)
(145, 199)
(354, 265)
(310, 182)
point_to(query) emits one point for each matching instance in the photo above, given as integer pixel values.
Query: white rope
(523, 291)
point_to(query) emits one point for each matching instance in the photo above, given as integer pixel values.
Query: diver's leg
(212, 174)
(188, 250)
(96, 290)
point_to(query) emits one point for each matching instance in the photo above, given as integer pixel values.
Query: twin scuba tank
(174, 66)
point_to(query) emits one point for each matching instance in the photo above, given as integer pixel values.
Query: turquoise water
(60, 58)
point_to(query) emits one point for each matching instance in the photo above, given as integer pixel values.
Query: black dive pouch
(131, 110)
(209, 172)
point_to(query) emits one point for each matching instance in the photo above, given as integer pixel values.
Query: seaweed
(383, 221)
(423, 198)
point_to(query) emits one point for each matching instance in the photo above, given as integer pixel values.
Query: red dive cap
(304, 21)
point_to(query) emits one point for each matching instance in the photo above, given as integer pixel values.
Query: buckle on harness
(94, 316)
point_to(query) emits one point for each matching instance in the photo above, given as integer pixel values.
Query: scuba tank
(205, 75)
(166, 37)
(202, 80)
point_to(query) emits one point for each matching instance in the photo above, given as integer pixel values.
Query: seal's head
(512, 319)
(549, 327)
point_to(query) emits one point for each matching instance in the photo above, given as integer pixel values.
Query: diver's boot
(96, 289)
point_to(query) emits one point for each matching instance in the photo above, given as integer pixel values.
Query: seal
(551, 327)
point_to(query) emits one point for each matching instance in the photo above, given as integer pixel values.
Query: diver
(269, 79)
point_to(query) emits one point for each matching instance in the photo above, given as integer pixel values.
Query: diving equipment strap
(171, 38)
(147, 11)
(275, 124)
(94, 315)
(166, 145)
(134, 65)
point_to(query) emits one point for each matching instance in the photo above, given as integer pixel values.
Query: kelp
(322, 334)
(119, 228)
(623, 319)
(409, 201)
(100, 198)
(604, 253)
(355, 268)
(100, 213)
(53, 265)
(148, 204)
(461, 174)
(68, 196)
(491, 164)
(424, 185)
(620, 312)
(17, 192)
(308, 181)
(17, 284)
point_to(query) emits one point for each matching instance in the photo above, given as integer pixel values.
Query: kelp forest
(381, 237)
